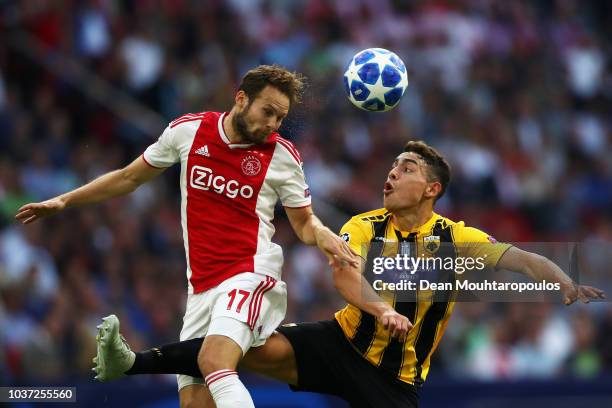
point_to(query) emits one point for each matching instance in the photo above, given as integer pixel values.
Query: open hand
(33, 211)
(335, 248)
(581, 292)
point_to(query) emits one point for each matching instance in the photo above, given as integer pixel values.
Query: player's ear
(433, 189)
(241, 99)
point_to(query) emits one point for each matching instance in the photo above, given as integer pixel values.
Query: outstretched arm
(356, 290)
(311, 231)
(109, 185)
(540, 268)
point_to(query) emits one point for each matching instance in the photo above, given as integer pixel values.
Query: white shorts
(247, 308)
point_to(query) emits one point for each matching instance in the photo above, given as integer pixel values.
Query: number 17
(245, 294)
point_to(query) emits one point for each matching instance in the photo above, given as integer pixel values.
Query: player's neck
(411, 219)
(228, 127)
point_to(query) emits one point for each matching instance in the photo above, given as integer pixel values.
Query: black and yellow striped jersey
(409, 360)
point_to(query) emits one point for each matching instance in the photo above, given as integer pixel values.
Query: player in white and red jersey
(234, 168)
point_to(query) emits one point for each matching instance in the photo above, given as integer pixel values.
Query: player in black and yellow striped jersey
(408, 359)
(376, 351)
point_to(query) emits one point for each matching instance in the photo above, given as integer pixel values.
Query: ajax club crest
(251, 166)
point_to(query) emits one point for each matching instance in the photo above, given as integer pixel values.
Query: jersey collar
(423, 228)
(224, 137)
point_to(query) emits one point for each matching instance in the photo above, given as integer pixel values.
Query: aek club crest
(431, 244)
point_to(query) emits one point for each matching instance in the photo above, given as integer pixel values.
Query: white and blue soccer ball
(375, 80)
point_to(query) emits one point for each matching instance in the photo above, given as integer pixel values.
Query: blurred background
(517, 95)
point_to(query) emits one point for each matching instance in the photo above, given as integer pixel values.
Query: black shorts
(328, 364)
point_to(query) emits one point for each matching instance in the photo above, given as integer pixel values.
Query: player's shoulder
(456, 226)
(377, 215)
(467, 233)
(287, 149)
(446, 222)
(192, 119)
(362, 225)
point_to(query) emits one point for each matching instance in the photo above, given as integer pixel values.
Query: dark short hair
(289, 83)
(438, 168)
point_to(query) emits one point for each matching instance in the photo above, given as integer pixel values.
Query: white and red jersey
(228, 195)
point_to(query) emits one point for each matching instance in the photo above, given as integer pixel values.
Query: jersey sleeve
(163, 153)
(292, 190)
(475, 243)
(357, 236)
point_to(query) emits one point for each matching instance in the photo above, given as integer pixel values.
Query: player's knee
(218, 353)
(211, 362)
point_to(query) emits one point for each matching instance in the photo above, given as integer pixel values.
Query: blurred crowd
(515, 93)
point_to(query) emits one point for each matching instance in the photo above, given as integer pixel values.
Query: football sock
(173, 358)
(227, 390)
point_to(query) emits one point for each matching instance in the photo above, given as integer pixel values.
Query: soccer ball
(375, 80)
